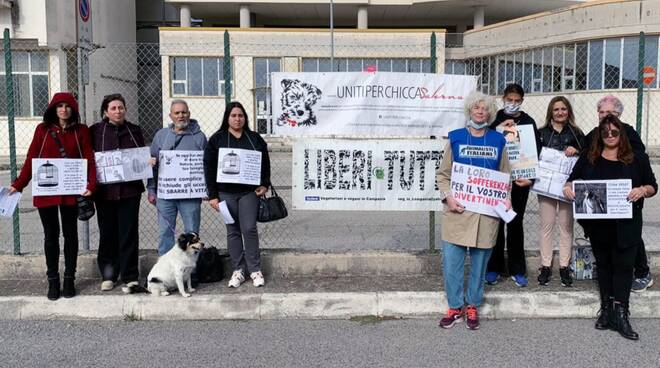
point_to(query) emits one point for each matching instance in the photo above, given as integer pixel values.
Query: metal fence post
(640, 81)
(434, 60)
(9, 85)
(83, 117)
(227, 70)
(434, 57)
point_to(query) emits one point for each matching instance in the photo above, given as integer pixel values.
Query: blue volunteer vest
(483, 151)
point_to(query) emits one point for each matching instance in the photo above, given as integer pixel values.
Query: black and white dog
(173, 269)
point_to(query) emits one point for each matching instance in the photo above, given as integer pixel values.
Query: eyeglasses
(606, 133)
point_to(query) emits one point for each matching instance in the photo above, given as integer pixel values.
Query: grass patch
(132, 317)
(371, 319)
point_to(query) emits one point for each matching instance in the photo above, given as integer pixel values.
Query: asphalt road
(401, 343)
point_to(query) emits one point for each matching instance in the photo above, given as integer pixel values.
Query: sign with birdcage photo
(123, 165)
(59, 176)
(239, 166)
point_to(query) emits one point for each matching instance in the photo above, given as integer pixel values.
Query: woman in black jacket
(241, 199)
(559, 133)
(615, 242)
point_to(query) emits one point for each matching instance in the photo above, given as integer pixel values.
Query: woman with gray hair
(464, 231)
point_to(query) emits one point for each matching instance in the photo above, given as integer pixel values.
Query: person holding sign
(183, 134)
(60, 132)
(117, 204)
(562, 134)
(237, 171)
(615, 241)
(463, 231)
(510, 116)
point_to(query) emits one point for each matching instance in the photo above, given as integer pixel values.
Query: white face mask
(511, 108)
(477, 126)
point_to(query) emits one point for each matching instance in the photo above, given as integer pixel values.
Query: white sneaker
(107, 285)
(237, 279)
(257, 279)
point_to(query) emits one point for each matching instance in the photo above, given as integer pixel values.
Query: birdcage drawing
(47, 175)
(231, 164)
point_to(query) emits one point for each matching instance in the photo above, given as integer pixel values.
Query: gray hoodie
(192, 139)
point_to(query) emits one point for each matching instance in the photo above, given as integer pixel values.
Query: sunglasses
(612, 132)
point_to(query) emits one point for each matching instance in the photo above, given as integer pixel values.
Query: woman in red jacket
(61, 121)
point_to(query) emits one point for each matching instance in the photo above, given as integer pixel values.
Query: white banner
(382, 104)
(602, 199)
(123, 165)
(366, 175)
(553, 171)
(477, 189)
(521, 147)
(59, 176)
(239, 166)
(181, 175)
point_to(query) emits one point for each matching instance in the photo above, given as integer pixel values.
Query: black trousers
(615, 269)
(641, 263)
(51, 225)
(515, 238)
(118, 239)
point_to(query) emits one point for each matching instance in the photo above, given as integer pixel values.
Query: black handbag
(210, 265)
(86, 208)
(271, 208)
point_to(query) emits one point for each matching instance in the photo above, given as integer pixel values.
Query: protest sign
(59, 176)
(123, 165)
(239, 166)
(478, 189)
(521, 147)
(181, 175)
(366, 175)
(602, 199)
(553, 172)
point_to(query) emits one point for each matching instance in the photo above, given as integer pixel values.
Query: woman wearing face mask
(559, 133)
(512, 115)
(241, 199)
(615, 242)
(61, 129)
(463, 231)
(118, 204)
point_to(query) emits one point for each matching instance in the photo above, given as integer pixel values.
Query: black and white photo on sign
(181, 175)
(58, 176)
(123, 165)
(553, 171)
(239, 166)
(602, 199)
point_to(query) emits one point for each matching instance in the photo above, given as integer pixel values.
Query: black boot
(604, 315)
(53, 289)
(69, 289)
(621, 323)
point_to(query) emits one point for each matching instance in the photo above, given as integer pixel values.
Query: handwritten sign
(478, 189)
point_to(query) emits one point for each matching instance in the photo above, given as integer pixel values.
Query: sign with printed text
(59, 176)
(368, 104)
(478, 189)
(181, 175)
(553, 171)
(366, 175)
(602, 199)
(123, 165)
(521, 147)
(239, 166)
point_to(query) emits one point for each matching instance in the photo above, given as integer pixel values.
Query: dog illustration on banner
(297, 101)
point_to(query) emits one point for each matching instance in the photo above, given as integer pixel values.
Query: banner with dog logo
(181, 175)
(478, 189)
(369, 104)
(366, 175)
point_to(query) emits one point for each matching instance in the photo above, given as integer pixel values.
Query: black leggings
(615, 270)
(515, 238)
(51, 224)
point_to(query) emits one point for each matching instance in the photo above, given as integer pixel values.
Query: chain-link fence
(204, 68)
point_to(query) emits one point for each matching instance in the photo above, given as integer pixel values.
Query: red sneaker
(472, 320)
(452, 317)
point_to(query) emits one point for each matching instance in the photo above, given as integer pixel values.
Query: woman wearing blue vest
(463, 231)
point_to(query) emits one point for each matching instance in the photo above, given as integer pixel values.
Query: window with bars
(30, 79)
(371, 65)
(197, 76)
(263, 67)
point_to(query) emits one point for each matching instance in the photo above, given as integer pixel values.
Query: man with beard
(183, 134)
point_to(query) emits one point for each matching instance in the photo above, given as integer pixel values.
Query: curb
(281, 306)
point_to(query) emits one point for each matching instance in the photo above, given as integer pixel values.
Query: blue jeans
(453, 260)
(167, 212)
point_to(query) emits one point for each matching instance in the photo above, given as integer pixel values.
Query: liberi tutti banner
(366, 175)
(380, 104)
